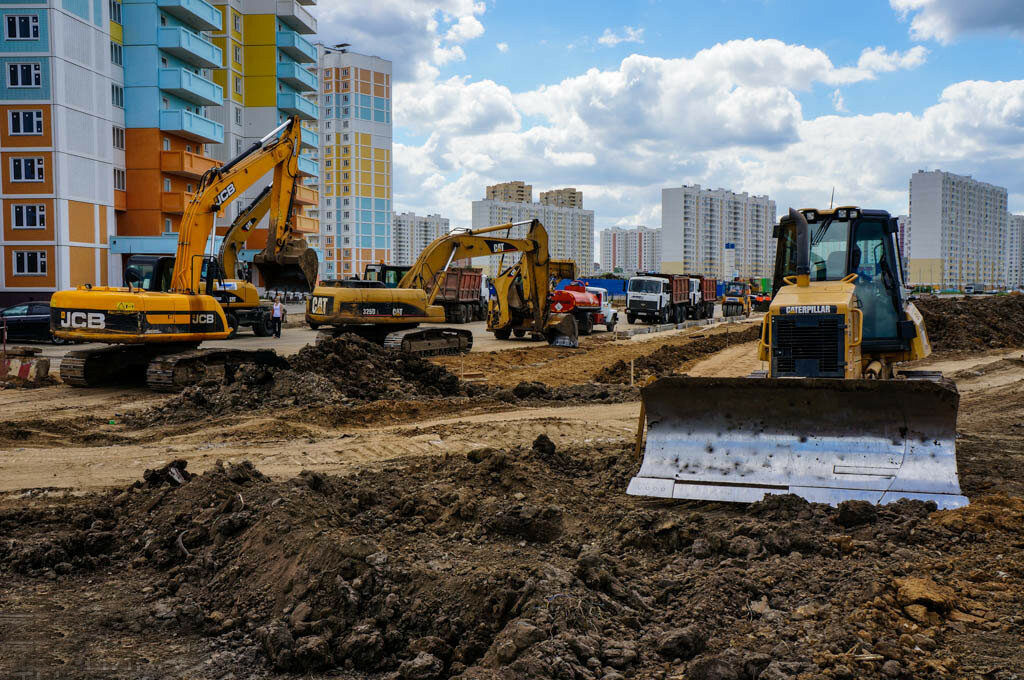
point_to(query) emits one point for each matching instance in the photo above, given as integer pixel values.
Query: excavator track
(430, 341)
(114, 365)
(173, 372)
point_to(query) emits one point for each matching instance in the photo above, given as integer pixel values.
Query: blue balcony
(307, 168)
(295, 105)
(188, 46)
(296, 76)
(202, 15)
(310, 139)
(191, 126)
(191, 87)
(296, 47)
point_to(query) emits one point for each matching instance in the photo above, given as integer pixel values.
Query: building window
(32, 216)
(116, 54)
(238, 85)
(117, 96)
(25, 123)
(236, 20)
(238, 115)
(167, 184)
(115, 11)
(118, 137)
(27, 170)
(22, 27)
(237, 51)
(238, 146)
(29, 262)
(119, 179)
(24, 75)
(167, 144)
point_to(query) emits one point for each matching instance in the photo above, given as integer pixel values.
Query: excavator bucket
(737, 439)
(295, 269)
(562, 331)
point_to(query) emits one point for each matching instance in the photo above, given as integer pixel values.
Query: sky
(789, 98)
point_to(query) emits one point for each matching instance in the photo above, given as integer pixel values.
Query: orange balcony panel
(305, 225)
(175, 201)
(306, 196)
(120, 200)
(185, 164)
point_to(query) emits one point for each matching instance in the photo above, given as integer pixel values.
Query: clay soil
(443, 528)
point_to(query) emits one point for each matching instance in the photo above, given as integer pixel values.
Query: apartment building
(716, 232)
(627, 250)
(958, 231)
(61, 146)
(565, 198)
(1015, 251)
(87, 81)
(570, 229)
(355, 161)
(510, 192)
(411, 233)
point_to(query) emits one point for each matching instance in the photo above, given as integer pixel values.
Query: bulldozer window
(874, 265)
(828, 250)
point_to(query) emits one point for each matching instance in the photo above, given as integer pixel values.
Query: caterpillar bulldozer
(392, 316)
(832, 417)
(155, 334)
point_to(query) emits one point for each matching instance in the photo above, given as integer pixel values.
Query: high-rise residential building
(566, 198)
(86, 82)
(628, 250)
(904, 222)
(716, 232)
(510, 192)
(958, 231)
(355, 161)
(1015, 251)
(570, 229)
(411, 233)
(62, 142)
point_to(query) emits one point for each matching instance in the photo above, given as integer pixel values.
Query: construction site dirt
(403, 523)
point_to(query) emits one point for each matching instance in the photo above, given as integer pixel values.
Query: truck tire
(519, 332)
(262, 327)
(631, 319)
(467, 313)
(232, 320)
(663, 316)
(502, 333)
(585, 322)
(610, 326)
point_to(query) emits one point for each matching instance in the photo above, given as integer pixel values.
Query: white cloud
(945, 20)
(502, 47)
(837, 101)
(629, 35)
(879, 60)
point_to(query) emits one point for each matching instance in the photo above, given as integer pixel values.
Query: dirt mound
(667, 359)
(526, 562)
(343, 371)
(974, 323)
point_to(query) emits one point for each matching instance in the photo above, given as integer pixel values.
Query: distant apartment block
(1015, 251)
(565, 198)
(699, 226)
(570, 229)
(627, 250)
(958, 231)
(411, 233)
(510, 192)
(356, 173)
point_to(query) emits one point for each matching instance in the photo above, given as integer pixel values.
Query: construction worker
(277, 316)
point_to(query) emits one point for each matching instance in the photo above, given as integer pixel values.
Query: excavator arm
(239, 232)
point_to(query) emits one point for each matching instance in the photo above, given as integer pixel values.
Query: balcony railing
(185, 164)
(191, 126)
(310, 139)
(306, 196)
(296, 16)
(305, 225)
(189, 47)
(202, 15)
(307, 168)
(296, 105)
(175, 201)
(191, 87)
(296, 76)
(296, 47)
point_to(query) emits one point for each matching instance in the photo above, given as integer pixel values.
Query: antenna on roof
(832, 200)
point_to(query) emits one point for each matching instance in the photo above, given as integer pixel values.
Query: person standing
(277, 315)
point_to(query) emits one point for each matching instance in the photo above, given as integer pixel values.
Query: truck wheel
(631, 319)
(610, 327)
(502, 333)
(519, 332)
(663, 316)
(232, 324)
(467, 313)
(262, 327)
(586, 324)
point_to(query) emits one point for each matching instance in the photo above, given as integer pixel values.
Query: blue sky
(784, 97)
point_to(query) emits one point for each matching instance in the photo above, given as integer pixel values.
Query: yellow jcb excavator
(392, 316)
(155, 334)
(832, 418)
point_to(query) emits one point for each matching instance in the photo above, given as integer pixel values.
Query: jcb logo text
(82, 320)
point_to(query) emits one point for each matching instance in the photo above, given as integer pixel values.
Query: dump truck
(669, 298)
(832, 417)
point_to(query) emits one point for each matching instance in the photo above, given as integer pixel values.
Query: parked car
(28, 321)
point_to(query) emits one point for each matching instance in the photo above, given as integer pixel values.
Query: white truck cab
(646, 297)
(608, 316)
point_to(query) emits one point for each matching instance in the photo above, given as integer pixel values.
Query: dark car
(28, 321)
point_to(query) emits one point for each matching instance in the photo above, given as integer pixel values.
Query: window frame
(40, 215)
(42, 268)
(119, 18)
(38, 169)
(123, 175)
(118, 137)
(116, 53)
(33, 27)
(117, 95)
(36, 74)
(19, 114)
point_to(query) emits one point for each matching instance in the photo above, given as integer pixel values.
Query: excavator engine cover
(295, 269)
(737, 439)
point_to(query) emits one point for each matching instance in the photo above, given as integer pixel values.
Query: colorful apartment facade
(113, 110)
(356, 174)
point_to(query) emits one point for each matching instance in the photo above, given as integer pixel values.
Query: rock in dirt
(855, 513)
(682, 643)
(174, 473)
(925, 592)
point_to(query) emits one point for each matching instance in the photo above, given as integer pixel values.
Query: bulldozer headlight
(842, 214)
(854, 214)
(811, 216)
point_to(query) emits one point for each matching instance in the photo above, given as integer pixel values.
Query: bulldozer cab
(848, 241)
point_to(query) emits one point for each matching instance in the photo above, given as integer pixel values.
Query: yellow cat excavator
(833, 418)
(155, 335)
(392, 316)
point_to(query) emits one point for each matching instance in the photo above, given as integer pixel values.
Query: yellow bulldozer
(392, 316)
(154, 335)
(832, 417)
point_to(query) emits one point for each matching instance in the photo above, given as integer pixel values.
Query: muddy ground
(433, 532)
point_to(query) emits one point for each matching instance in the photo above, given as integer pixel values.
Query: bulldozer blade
(562, 331)
(737, 439)
(294, 270)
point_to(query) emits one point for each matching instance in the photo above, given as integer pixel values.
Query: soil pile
(667, 359)
(528, 562)
(343, 371)
(973, 323)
